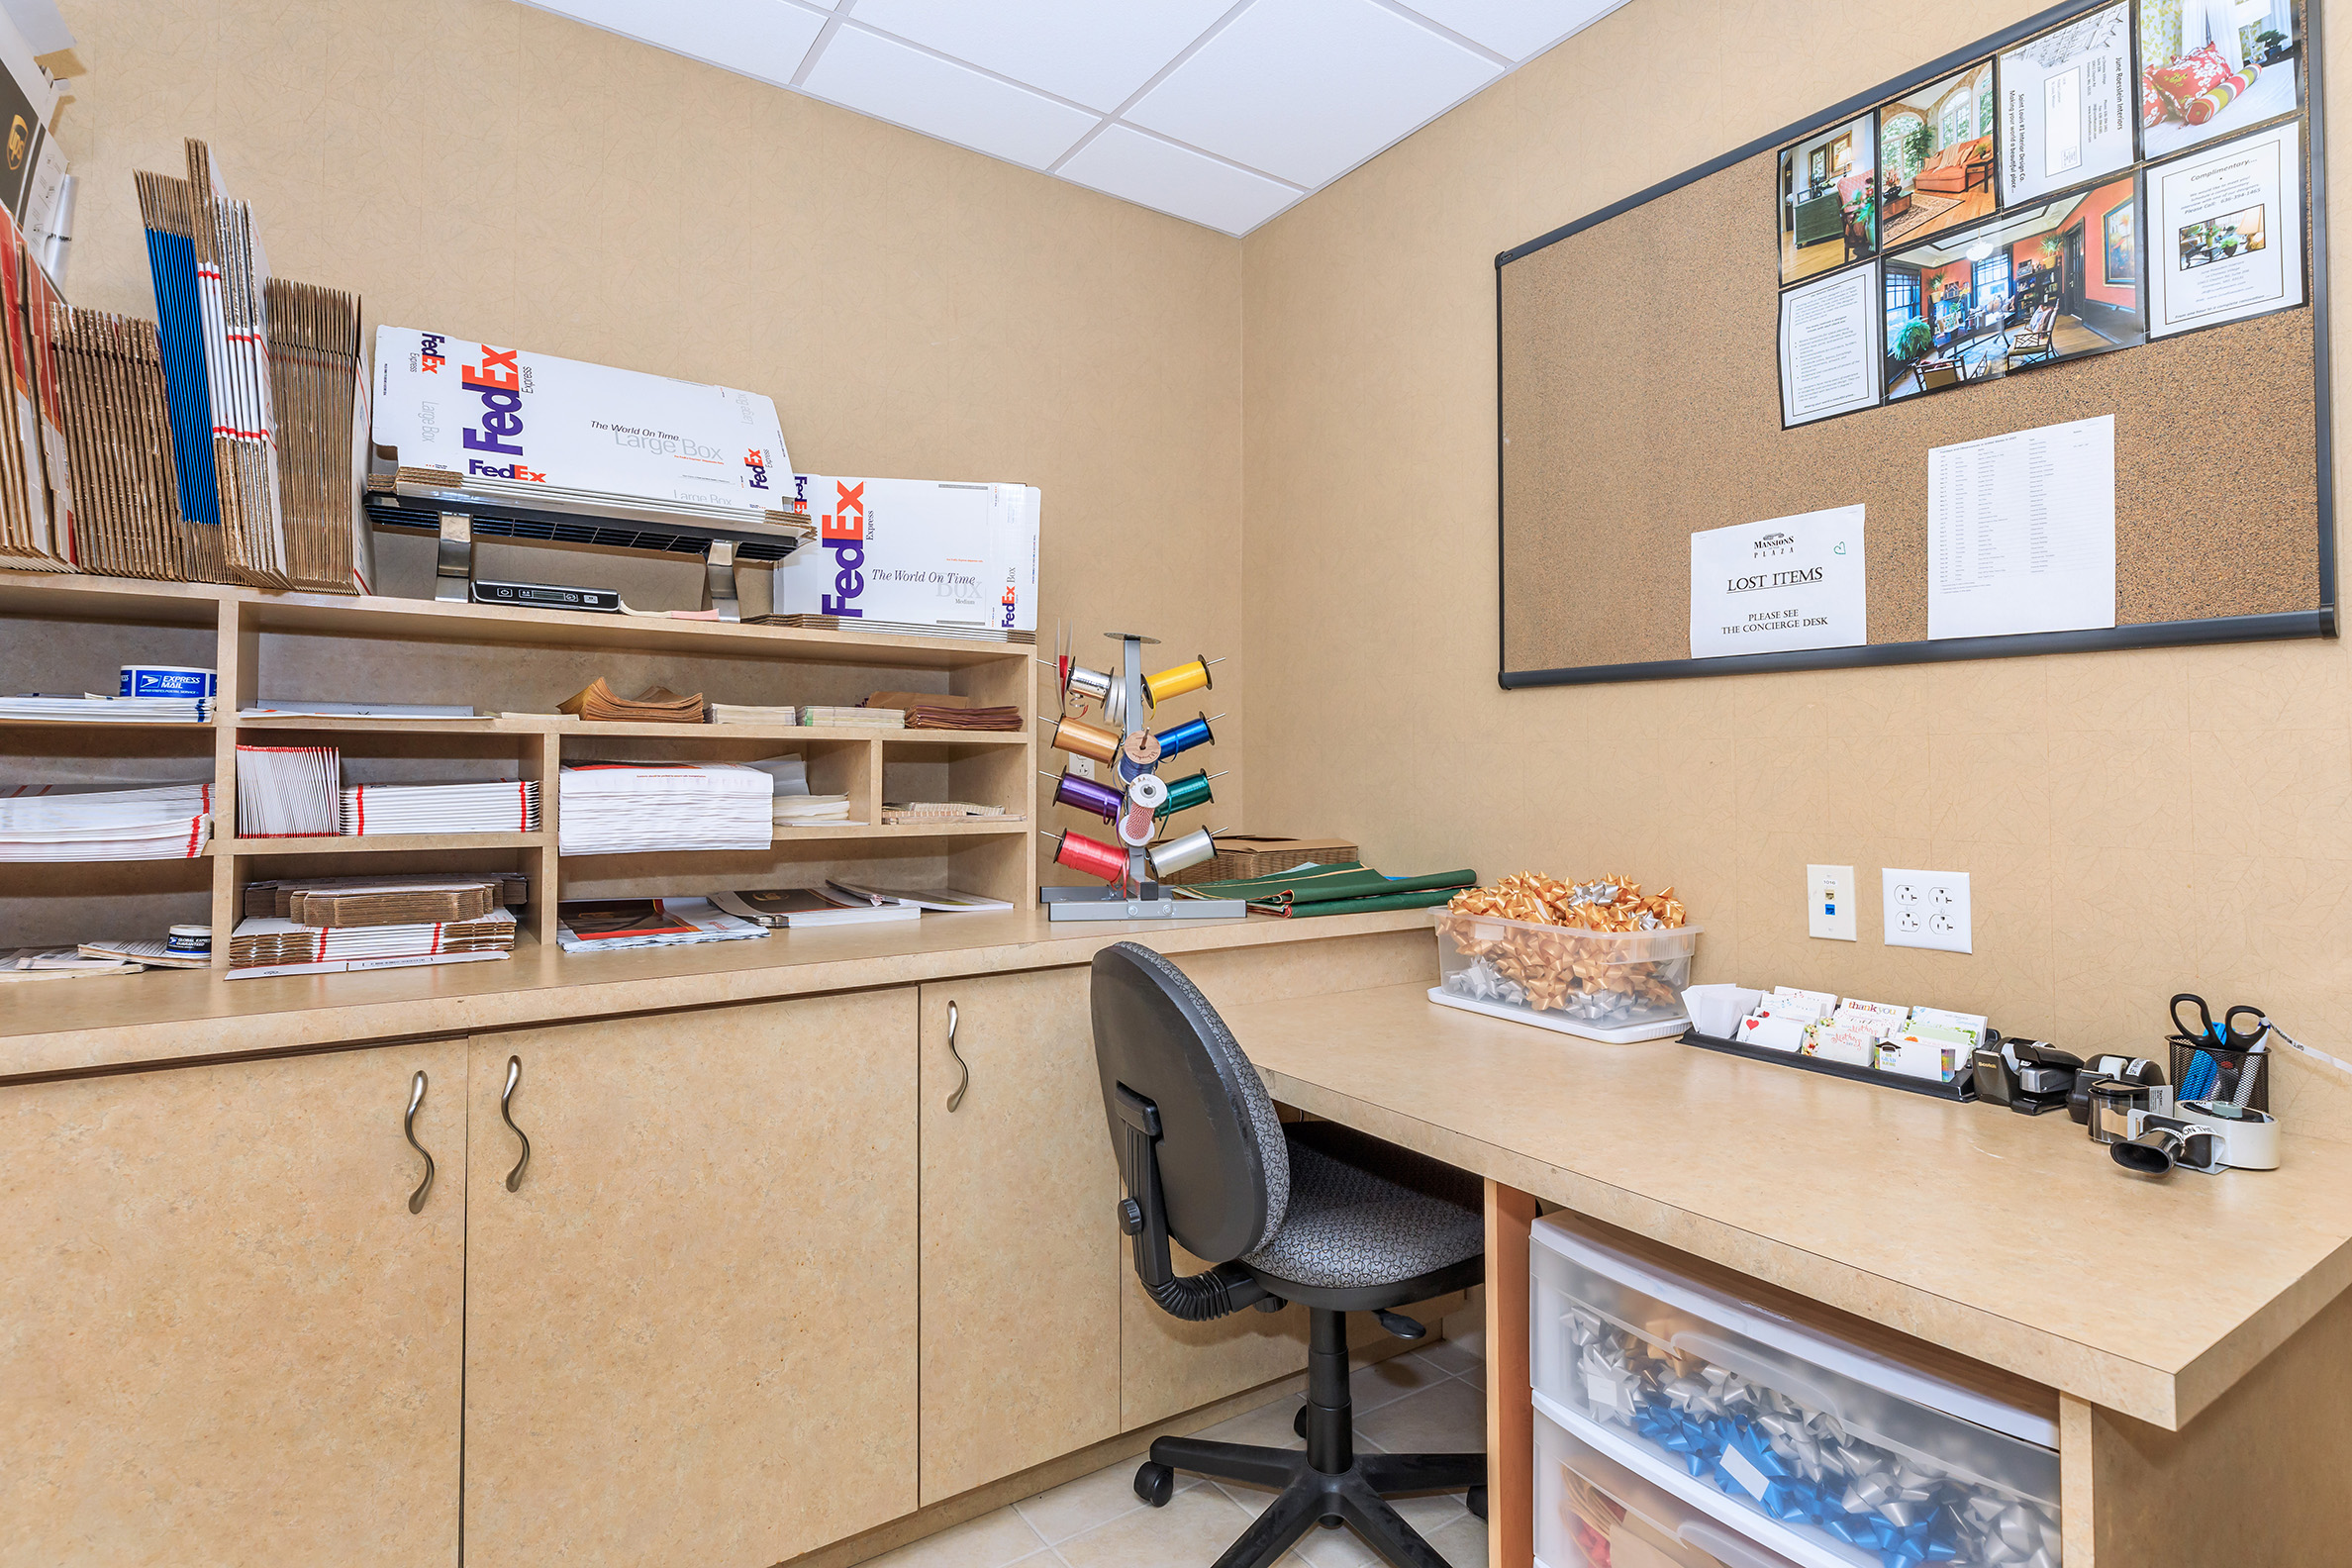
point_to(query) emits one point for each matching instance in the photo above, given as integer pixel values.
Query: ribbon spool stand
(1139, 799)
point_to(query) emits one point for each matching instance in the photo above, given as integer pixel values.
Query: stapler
(2029, 1076)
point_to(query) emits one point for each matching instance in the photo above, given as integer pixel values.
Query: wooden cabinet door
(1022, 1251)
(690, 1326)
(225, 1338)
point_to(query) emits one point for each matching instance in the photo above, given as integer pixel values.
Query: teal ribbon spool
(1186, 793)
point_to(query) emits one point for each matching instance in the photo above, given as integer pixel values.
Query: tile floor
(1428, 1400)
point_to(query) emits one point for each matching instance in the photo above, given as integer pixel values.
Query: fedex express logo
(501, 424)
(429, 357)
(757, 462)
(842, 530)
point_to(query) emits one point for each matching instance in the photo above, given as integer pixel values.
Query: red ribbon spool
(1081, 853)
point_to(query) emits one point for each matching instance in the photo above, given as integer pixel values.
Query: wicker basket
(1240, 855)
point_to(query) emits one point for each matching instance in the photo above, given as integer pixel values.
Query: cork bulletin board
(1640, 397)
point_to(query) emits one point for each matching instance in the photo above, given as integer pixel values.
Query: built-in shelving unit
(70, 634)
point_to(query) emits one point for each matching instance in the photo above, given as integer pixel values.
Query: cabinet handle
(505, 1109)
(956, 1097)
(408, 1125)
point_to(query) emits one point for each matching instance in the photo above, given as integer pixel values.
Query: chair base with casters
(1329, 1484)
(1313, 1213)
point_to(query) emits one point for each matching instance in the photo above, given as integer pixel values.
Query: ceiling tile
(1124, 162)
(1308, 89)
(885, 78)
(1084, 49)
(1514, 28)
(766, 39)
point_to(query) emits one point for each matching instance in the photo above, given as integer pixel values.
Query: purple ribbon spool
(1089, 796)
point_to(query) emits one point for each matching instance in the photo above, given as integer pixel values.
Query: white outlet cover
(1928, 909)
(1082, 766)
(1829, 901)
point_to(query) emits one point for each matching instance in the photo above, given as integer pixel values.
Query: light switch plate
(1829, 901)
(1928, 909)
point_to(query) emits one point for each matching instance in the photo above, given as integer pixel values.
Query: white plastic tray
(1661, 1028)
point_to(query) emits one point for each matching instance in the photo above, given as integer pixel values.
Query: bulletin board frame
(2318, 621)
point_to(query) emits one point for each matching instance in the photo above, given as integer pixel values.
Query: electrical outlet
(1082, 766)
(1829, 901)
(1928, 909)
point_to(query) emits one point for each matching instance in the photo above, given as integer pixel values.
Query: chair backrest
(2045, 318)
(1225, 1170)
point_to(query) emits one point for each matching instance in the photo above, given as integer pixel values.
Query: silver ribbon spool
(1103, 688)
(1178, 853)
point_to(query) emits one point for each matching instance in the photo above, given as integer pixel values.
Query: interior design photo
(2219, 239)
(2213, 67)
(1936, 156)
(1828, 200)
(2051, 282)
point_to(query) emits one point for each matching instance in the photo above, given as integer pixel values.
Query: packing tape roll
(167, 680)
(1178, 853)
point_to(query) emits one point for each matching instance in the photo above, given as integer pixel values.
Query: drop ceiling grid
(1220, 112)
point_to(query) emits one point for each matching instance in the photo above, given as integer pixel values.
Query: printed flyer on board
(2227, 242)
(1779, 585)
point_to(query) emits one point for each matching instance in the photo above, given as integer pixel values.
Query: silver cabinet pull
(956, 1097)
(505, 1109)
(408, 1124)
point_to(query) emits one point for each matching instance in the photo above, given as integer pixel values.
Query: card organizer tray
(1961, 1088)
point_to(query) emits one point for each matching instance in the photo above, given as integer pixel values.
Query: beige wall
(913, 309)
(2134, 823)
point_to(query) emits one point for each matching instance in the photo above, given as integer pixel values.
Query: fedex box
(487, 413)
(916, 552)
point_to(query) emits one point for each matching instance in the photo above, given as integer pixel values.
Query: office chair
(1311, 1212)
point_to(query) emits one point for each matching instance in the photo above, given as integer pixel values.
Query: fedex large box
(916, 552)
(487, 413)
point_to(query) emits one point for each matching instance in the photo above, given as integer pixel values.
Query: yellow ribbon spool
(1176, 682)
(1081, 739)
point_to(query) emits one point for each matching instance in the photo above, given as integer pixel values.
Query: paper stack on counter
(407, 899)
(796, 908)
(94, 709)
(637, 807)
(856, 718)
(813, 811)
(164, 822)
(505, 806)
(600, 704)
(58, 963)
(288, 792)
(267, 945)
(898, 813)
(739, 713)
(938, 710)
(608, 924)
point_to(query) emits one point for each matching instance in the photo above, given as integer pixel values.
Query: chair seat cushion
(1363, 1211)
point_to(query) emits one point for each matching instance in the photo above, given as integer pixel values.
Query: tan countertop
(2010, 1239)
(55, 1027)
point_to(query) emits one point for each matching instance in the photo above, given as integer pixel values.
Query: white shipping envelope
(484, 410)
(920, 551)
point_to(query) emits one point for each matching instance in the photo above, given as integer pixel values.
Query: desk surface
(2011, 1239)
(55, 1027)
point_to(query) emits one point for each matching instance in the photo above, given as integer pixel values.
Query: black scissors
(2225, 1034)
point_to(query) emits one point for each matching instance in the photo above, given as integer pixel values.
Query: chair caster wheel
(1477, 1500)
(1154, 1483)
(1299, 1423)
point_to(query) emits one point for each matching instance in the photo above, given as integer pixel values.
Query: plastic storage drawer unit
(1593, 1512)
(1830, 1454)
